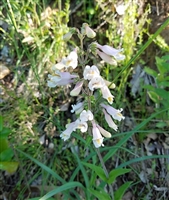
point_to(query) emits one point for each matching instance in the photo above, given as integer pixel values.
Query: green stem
(105, 171)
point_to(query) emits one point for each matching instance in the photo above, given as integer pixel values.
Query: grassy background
(32, 32)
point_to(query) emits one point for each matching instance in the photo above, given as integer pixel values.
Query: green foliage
(118, 195)
(115, 173)
(98, 170)
(6, 153)
(99, 193)
(159, 93)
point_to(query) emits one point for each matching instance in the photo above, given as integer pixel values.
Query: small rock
(4, 71)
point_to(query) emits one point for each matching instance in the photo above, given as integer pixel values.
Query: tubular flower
(60, 78)
(96, 82)
(111, 51)
(65, 135)
(110, 121)
(116, 114)
(108, 83)
(86, 30)
(103, 131)
(77, 89)
(108, 59)
(66, 62)
(90, 72)
(97, 138)
(107, 94)
(77, 108)
(81, 125)
(86, 116)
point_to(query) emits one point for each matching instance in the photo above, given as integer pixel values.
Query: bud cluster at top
(90, 81)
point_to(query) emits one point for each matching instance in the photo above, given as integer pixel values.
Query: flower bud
(86, 30)
(68, 35)
(77, 89)
(103, 131)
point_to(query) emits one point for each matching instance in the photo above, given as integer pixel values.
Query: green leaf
(162, 93)
(82, 170)
(153, 96)
(161, 124)
(115, 173)
(10, 167)
(4, 132)
(118, 195)
(1, 123)
(141, 159)
(37, 198)
(163, 83)
(62, 188)
(6, 155)
(162, 65)
(101, 194)
(151, 72)
(3, 144)
(98, 170)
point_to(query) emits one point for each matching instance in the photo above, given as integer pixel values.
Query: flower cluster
(92, 80)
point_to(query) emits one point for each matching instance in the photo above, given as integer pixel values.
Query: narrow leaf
(98, 170)
(55, 175)
(150, 71)
(118, 195)
(1, 123)
(101, 194)
(115, 173)
(141, 159)
(154, 97)
(62, 188)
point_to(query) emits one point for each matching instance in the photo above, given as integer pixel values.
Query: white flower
(81, 125)
(116, 114)
(107, 94)
(77, 108)
(120, 9)
(65, 135)
(60, 78)
(103, 131)
(86, 30)
(111, 51)
(110, 121)
(90, 72)
(96, 82)
(77, 89)
(97, 138)
(70, 61)
(108, 59)
(108, 83)
(86, 116)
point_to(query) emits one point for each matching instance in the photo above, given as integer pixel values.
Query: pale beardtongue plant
(90, 81)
